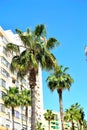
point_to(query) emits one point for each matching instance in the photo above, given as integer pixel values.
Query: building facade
(7, 79)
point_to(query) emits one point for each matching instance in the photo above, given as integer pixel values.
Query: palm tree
(49, 116)
(34, 50)
(74, 114)
(25, 101)
(60, 81)
(11, 99)
(85, 124)
(39, 126)
(81, 120)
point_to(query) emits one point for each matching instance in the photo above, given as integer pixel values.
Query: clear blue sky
(65, 20)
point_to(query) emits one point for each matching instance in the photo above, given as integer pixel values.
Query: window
(23, 108)
(29, 119)
(2, 94)
(23, 117)
(2, 121)
(56, 117)
(0, 38)
(16, 125)
(4, 40)
(5, 62)
(3, 83)
(16, 114)
(17, 83)
(23, 81)
(2, 108)
(5, 52)
(7, 123)
(4, 72)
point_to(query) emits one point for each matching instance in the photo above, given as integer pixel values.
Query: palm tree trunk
(32, 82)
(21, 118)
(12, 118)
(49, 125)
(72, 125)
(26, 118)
(61, 108)
(33, 121)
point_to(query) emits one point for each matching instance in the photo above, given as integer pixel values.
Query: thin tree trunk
(49, 125)
(12, 118)
(32, 82)
(21, 118)
(72, 125)
(33, 121)
(61, 108)
(26, 118)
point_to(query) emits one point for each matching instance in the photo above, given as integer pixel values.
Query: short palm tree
(74, 115)
(81, 120)
(39, 126)
(25, 101)
(85, 124)
(34, 50)
(60, 81)
(11, 99)
(48, 115)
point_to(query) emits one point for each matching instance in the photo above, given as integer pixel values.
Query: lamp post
(86, 52)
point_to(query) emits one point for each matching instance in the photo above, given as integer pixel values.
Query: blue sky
(65, 20)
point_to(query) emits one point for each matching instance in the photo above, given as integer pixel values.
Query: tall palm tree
(60, 81)
(25, 101)
(11, 99)
(34, 49)
(49, 116)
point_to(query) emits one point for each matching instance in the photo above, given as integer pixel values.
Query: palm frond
(18, 31)
(28, 31)
(51, 43)
(15, 63)
(10, 47)
(40, 30)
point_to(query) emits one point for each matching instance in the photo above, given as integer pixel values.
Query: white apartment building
(7, 79)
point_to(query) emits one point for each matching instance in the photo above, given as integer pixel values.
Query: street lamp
(86, 52)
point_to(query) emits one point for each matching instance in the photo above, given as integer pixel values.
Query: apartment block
(7, 79)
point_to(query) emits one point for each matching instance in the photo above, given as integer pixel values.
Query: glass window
(7, 123)
(5, 52)
(56, 117)
(5, 62)
(29, 119)
(16, 114)
(4, 72)
(4, 40)
(24, 81)
(2, 108)
(17, 83)
(16, 125)
(7, 126)
(2, 121)
(3, 83)
(23, 117)
(23, 108)
(2, 94)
